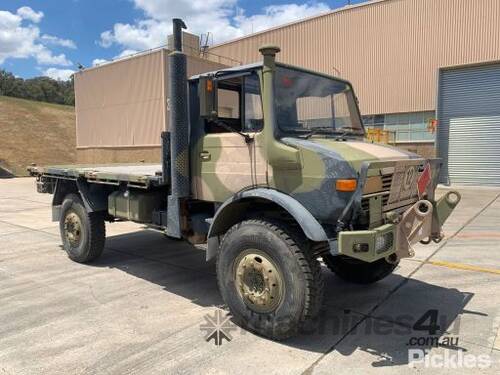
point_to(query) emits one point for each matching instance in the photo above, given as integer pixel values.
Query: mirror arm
(222, 124)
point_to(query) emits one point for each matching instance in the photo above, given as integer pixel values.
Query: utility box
(135, 206)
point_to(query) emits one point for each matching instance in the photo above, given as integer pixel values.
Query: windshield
(309, 103)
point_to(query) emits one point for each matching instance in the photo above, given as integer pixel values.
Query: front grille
(365, 201)
(389, 186)
(386, 181)
(382, 190)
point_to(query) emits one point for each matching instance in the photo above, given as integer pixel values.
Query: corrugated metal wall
(123, 104)
(391, 50)
(469, 125)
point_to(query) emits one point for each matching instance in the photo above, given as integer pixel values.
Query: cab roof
(258, 65)
(228, 71)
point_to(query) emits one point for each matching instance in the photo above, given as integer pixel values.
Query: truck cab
(266, 163)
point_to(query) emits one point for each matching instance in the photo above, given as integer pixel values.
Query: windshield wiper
(341, 133)
(346, 130)
(319, 129)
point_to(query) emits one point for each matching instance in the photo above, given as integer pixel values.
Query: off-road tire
(301, 275)
(357, 271)
(93, 231)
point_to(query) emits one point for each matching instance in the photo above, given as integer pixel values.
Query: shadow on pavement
(5, 173)
(349, 320)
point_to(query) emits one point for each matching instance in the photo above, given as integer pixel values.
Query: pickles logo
(218, 327)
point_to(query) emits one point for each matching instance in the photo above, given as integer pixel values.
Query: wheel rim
(258, 281)
(73, 229)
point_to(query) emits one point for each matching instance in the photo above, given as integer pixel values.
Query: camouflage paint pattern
(229, 165)
(306, 169)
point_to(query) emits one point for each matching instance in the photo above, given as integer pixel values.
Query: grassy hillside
(35, 132)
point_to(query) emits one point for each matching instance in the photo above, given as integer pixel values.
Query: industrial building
(425, 71)
(122, 107)
(411, 62)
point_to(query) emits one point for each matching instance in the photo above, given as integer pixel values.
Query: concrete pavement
(140, 307)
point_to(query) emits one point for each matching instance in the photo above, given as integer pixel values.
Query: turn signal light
(346, 185)
(210, 85)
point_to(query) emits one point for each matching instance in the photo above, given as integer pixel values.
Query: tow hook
(439, 238)
(425, 241)
(414, 226)
(435, 239)
(393, 258)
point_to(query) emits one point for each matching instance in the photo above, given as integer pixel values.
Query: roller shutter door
(468, 138)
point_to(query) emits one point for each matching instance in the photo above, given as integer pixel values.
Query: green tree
(43, 89)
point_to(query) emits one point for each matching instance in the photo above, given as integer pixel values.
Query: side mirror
(207, 90)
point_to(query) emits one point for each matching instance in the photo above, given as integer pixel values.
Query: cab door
(227, 160)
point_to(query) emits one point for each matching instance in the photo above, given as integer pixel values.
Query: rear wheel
(268, 279)
(357, 271)
(82, 233)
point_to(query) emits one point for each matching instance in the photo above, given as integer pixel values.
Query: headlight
(360, 247)
(384, 242)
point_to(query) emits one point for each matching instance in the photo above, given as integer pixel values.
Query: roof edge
(306, 19)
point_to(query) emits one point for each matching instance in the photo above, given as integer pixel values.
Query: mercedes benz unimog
(267, 164)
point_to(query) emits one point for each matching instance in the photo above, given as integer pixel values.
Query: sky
(52, 37)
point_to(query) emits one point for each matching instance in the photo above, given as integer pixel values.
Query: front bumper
(422, 222)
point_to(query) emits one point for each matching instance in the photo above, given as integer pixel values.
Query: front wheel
(82, 233)
(270, 282)
(356, 271)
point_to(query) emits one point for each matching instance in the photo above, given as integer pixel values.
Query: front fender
(229, 213)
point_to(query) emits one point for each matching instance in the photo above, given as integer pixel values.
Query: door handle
(205, 155)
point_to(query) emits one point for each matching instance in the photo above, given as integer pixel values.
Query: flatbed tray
(137, 175)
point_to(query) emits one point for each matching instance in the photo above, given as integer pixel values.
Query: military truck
(266, 163)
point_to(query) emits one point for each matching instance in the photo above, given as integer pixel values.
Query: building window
(406, 127)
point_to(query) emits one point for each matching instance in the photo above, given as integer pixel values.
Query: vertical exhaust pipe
(179, 131)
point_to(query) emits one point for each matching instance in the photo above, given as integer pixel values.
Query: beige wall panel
(118, 155)
(146, 122)
(195, 65)
(123, 103)
(391, 50)
(146, 78)
(426, 150)
(113, 102)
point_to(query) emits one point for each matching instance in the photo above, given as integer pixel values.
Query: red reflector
(424, 180)
(287, 82)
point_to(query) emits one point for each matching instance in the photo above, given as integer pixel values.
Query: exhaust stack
(269, 52)
(179, 131)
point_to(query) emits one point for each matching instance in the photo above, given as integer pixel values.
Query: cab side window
(239, 106)
(254, 118)
(229, 103)
(229, 100)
